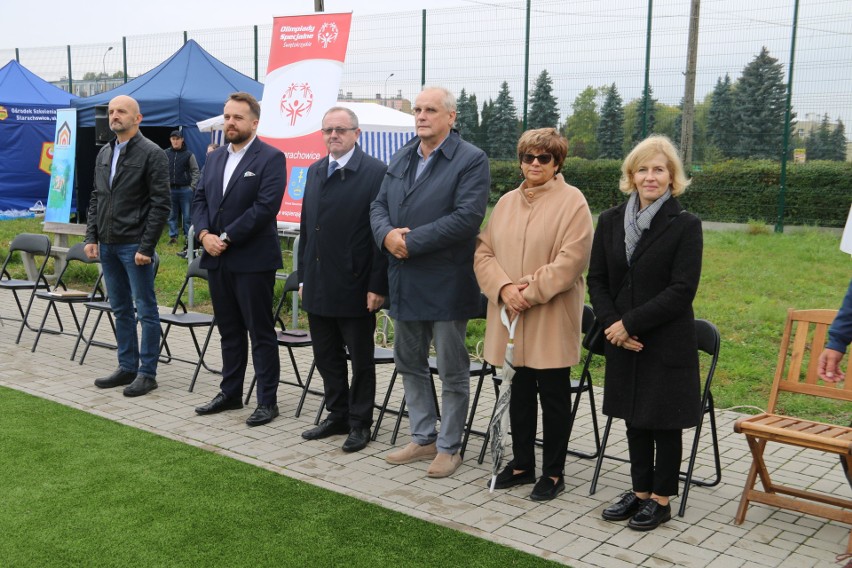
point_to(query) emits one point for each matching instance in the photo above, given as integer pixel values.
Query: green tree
(818, 143)
(839, 142)
(646, 105)
(544, 110)
(760, 101)
(467, 116)
(582, 126)
(503, 129)
(721, 118)
(610, 131)
(486, 121)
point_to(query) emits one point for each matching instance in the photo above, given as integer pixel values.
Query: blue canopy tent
(27, 127)
(186, 88)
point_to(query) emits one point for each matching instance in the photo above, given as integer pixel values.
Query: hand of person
(141, 260)
(91, 250)
(213, 244)
(374, 301)
(513, 299)
(829, 366)
(618, 336)
(395, 242)
(300, 293)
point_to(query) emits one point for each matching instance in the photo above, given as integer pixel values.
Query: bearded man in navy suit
(234, 212)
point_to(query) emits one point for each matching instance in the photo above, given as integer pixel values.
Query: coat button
(317, 228)
(530, 194)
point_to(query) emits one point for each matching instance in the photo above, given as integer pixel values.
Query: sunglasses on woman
(542, 158)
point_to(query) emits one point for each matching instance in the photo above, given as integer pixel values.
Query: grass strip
(80, 490)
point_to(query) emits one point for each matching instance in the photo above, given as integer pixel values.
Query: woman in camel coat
(531, 257)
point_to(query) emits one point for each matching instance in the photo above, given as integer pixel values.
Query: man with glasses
(426, 218)
(343, 277)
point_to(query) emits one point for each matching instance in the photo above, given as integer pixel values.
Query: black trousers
(348, 404)
(553, 387)
(242, 302)
(660, 475)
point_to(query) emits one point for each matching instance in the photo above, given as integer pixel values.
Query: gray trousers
(411, 352)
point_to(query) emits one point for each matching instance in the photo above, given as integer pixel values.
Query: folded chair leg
(601, 455)
(305, 386)
(384, 406)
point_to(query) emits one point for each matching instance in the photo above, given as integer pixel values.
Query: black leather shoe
(626, 506)
(651, 515)
(357, 440)
(325, 429)
(220, 403)
(546, 489)
(507, 478)
(142, 384)
(117, 379)
(262, 415)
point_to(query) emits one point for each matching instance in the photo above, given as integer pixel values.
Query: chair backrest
(194, 270)
(36, 245)
(709, 341)
(31, 243)
(76, 254)
(292, 282)
(805, 332)
(588, 319)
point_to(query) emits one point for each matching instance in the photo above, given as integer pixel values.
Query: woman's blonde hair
(644, 151)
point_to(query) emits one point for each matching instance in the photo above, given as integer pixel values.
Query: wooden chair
(804, 337)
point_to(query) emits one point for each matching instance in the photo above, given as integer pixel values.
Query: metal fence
(580, 43)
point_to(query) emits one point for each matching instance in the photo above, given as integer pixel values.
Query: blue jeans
(411, 352)
(181, 203)
(129, 284)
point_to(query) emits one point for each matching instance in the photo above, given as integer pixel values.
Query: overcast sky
(60, 22)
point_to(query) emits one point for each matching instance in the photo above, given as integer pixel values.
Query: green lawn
(79, 490)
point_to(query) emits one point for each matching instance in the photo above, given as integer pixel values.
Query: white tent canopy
(383, 130)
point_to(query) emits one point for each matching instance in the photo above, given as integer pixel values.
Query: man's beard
(236, 137)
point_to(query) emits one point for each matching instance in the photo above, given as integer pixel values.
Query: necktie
(331, 168)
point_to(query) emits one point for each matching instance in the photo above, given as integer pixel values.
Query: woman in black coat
(643, 275)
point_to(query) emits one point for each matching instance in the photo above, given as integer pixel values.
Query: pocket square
(248, 174)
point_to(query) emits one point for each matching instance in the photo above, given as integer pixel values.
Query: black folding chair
(61, 294)
(102, 307)
(39, 247)
(181, 317)
(291, 339)
(578, 387)
(709, 342)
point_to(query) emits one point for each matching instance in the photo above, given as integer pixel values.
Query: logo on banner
(4, 114)
(46, 159)
(296, 187)
(63, 135)
(297, 101)
(327, 34)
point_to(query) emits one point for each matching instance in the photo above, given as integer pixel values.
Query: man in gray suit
(426, 218)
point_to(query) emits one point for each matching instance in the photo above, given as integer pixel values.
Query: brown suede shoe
(412, 453)
(444, 465)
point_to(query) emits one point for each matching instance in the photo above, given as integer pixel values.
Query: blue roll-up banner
(62, 169)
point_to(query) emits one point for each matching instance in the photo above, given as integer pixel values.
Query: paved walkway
(568, 529)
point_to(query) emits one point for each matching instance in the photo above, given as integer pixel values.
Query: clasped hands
(618, 336)
(395, 242)
(513, 298)
(213, 244)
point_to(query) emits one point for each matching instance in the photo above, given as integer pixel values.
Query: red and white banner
(302, 82)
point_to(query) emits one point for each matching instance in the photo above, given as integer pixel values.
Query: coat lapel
(243, 166)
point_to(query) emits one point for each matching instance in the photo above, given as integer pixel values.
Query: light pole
(103, 61)
(386, 90)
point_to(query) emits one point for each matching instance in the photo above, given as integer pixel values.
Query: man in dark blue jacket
(344, 277)
(183, 178)
(426, 218)
(234, 211)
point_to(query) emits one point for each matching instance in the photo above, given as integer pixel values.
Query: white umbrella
(500, 421)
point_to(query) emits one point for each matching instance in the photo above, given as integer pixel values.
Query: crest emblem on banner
(297, 101)
(327, 33)
(4, 114)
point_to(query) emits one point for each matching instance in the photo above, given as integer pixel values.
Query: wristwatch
(225, 238)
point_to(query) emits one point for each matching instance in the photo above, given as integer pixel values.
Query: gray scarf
(637, 221)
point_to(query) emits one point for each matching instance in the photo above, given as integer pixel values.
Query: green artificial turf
(80, 490)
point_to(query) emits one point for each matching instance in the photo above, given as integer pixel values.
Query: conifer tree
(503, 129)
(610, 132)
(650, 102)
(544, 110)
(721, 118)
